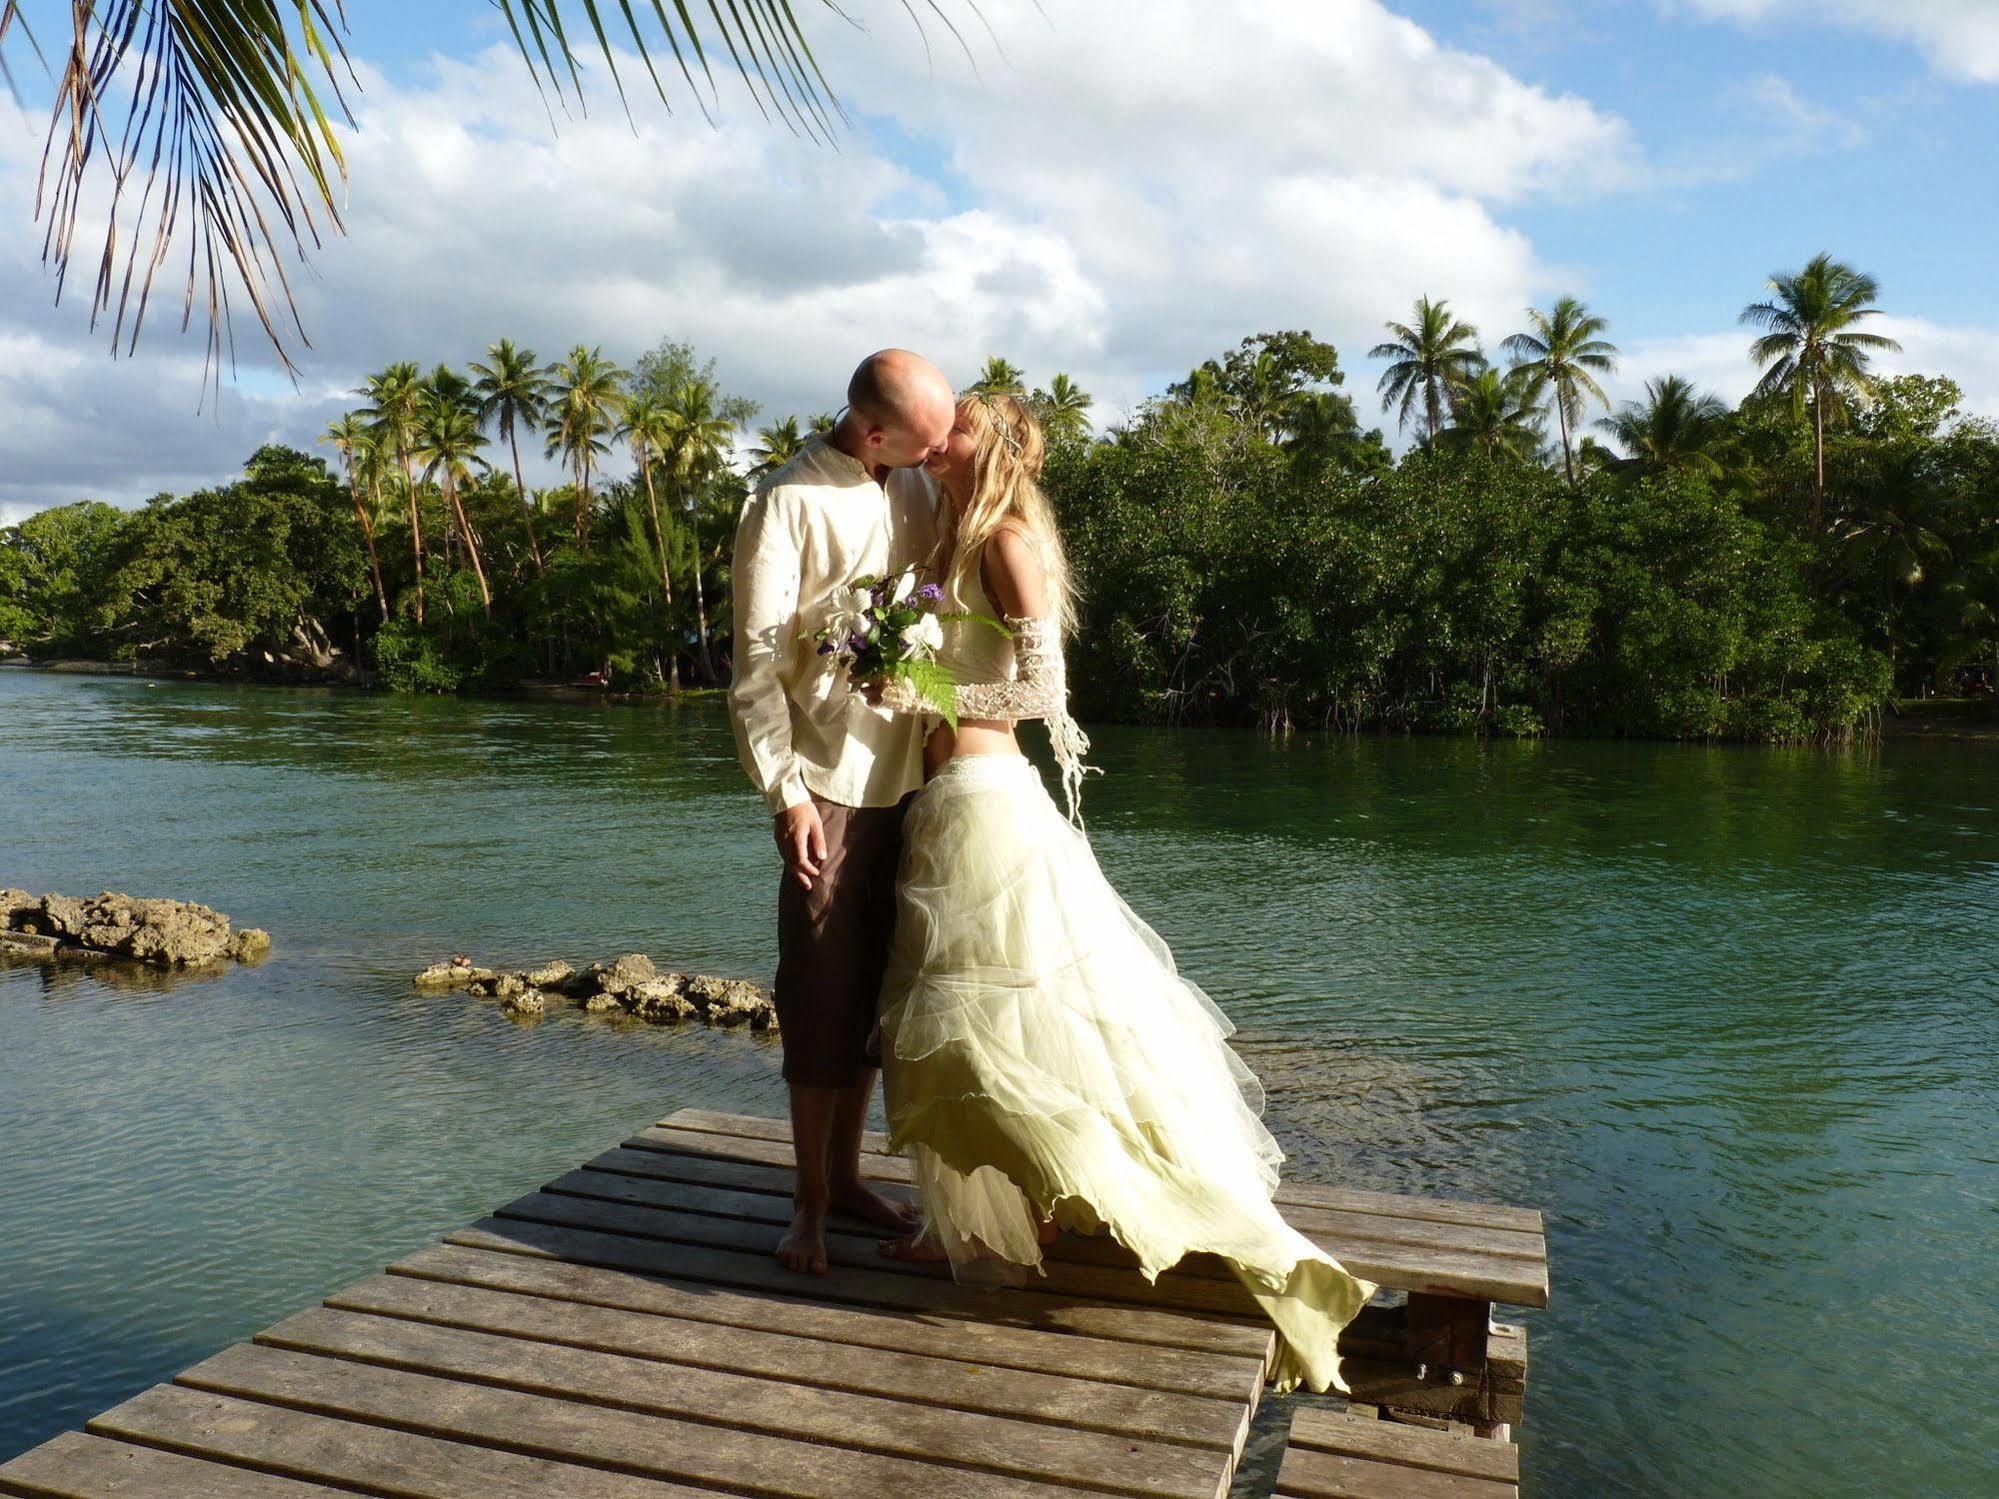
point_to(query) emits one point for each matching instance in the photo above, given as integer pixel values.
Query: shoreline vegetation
(1817, 564)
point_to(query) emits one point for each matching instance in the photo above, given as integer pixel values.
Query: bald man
(835, 771)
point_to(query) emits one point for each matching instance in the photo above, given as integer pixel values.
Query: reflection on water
(1727, 1015)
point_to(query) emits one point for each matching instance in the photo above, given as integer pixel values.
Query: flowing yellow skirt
(1041, 1051)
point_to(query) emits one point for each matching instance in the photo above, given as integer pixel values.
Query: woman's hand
(871, 689)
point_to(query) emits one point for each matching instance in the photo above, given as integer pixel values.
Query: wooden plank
(774, 1407)
(1305, 1194)
(375, 1459)
(77, 1466)
(1384, 1441)
(1509, 1278)
(1049, 1399)
(570, 1430)
(609, 1270)
(1305, 1474)
(871, 1277)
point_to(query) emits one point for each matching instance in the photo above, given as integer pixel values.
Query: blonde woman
(1045, 1065)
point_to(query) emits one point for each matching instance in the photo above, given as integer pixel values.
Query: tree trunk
(665, 578)
(471, 546)
(700, 600)
(1568, 458)
(527, 510)
(416, 534)
(1818, 444)
(368, 536)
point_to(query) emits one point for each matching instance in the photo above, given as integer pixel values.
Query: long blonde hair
(1006, 487)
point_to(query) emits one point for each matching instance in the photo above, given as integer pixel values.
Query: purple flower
(825, 647)
(857, 643)
(930, 593)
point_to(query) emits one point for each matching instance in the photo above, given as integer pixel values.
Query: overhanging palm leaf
(203, 122)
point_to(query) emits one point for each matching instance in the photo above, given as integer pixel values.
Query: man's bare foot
(1047, 1230)
(865, 1203)
(803, 1247)
(916, 1248)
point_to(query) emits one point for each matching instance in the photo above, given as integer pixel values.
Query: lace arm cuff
(1037, 690)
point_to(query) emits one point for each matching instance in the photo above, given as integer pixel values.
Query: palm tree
(649, 428)
(1811, 352)
(396, 397)
(1497, 413)
(1064, 408)
(999, 377)
(1431, 357)
(1566, 351)
(1675, 429)
(702, 438)
(823, 421)
(448, 442)
(227, 105)
(1898, 532)
(351, 438)
(585, 403)
(513, 393)
(777, 445)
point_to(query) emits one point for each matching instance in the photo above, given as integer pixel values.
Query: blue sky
(1129, 190)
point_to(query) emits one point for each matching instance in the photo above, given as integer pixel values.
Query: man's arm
(765, 575)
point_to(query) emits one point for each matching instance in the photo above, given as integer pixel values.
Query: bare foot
(803, 1247)
(915, 1248)
(864, 1202)
(1046, 1230)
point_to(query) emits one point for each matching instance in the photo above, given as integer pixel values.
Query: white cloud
(1958, 37)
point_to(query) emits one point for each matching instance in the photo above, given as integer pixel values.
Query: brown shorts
(832, 946)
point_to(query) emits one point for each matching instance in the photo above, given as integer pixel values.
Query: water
(1728, 1015)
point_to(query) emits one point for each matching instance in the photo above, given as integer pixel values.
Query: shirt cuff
(786, 794)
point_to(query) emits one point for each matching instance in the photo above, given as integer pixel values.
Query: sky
(1116, 189)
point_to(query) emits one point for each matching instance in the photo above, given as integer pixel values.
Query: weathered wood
(569, 1430)
(77, 1466)
(1306, 1474)
(609, 1270)
(1054, 1400)
(1445, 1332)
(1343, 1432)
(1305, 1194)
(375, 1459)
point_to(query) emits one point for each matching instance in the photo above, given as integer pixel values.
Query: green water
(1728, 1015)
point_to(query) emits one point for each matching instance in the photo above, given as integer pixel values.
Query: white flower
(924, 638)
(904, 587)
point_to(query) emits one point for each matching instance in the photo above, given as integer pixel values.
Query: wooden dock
(624, 1333)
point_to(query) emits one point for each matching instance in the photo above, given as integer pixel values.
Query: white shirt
(812, 528)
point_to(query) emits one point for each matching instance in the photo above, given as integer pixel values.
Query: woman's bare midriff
(975, 736)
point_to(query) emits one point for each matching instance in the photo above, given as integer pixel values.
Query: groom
(834, 771)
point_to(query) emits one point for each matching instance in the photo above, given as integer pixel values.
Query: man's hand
(801, 838)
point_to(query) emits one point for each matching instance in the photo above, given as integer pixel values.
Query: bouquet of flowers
(892, 627)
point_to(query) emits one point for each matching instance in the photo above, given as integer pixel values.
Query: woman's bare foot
(865, 1203)
(915, 1248)
(803, 1247)
(1047, 1230)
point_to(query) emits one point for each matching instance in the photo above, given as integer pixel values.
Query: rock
(14, 905)
(630, 984)
(57, 916)
(598, 1004)
(659, 1000)
(250, 944)
(549, 975)
(731, 1002)
(510, 986)
(31, 944)
(441, 976)
(524, 1001)
(160, 932)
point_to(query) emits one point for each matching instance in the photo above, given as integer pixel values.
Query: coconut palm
(1497, 413)
(447, 444)
(1430, 357)
(649, 428)
(585, 403)
(352, 439)
(1812, 353)
(395, 398)
(1000, 377)
(823, 421)
(220, 121)
(513, 392)
(1565, 351)
(1064, 408)
(777, 445)
(702, 439)
(1675, 429)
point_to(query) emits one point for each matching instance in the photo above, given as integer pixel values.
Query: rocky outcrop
(628, 985)
(163, 933)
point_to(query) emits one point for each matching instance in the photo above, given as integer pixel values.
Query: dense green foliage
(1248, 552)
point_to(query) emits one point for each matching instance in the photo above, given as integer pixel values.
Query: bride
(1045, 1065)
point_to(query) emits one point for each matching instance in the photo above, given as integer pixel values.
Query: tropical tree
(650, 429)
(1496, 413)
(585, 405)
(1812, 351)
(1429, 358)
(1675, 429)
(1000, 377)
(351, 437)
(396, 397)
(777, 445)
(823, 421)
(1565, 352)
(1064, 408)
(513, 392)
(447, 443)
(1898, 533)
(702, 436)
